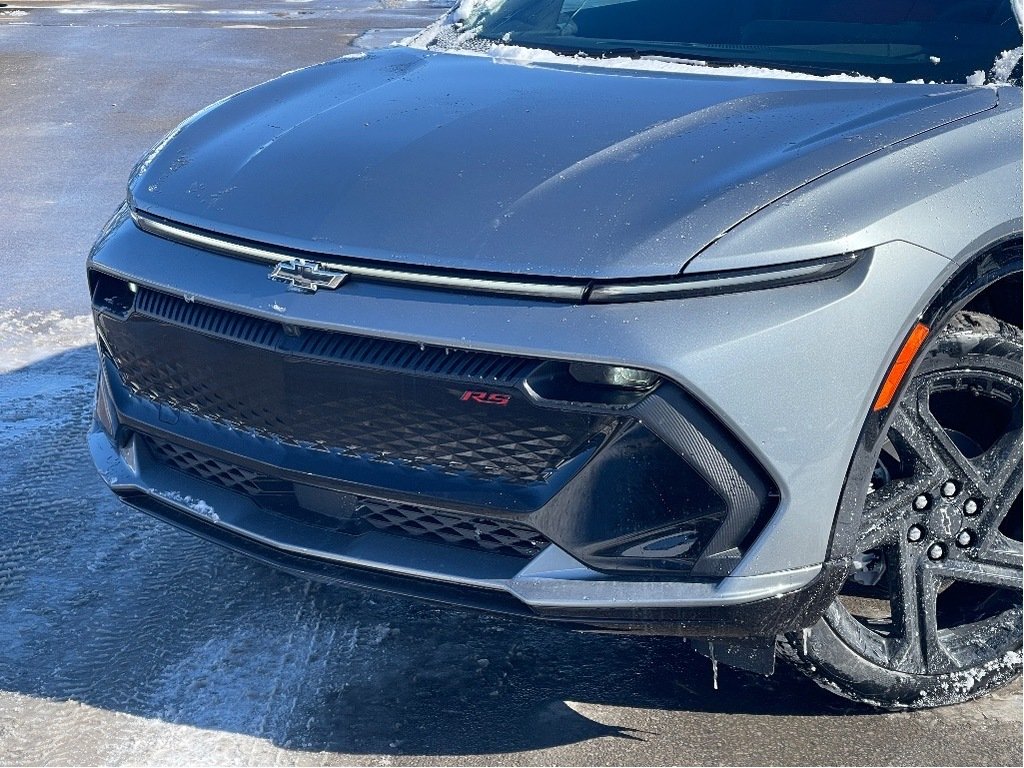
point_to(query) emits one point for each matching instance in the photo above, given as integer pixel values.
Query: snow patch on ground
(247, 681)
(26, 337)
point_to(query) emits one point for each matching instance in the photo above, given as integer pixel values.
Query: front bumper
(552, 586)
(764, 365)
(252, 434)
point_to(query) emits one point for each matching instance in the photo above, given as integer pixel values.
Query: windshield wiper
(696, 54)
(632, 52)
(692, 53)
(645, 53)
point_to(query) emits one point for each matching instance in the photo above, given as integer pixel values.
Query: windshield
(930, 40)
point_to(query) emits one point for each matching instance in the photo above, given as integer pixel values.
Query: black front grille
(358, 421)
(379, 401)
(473, 532)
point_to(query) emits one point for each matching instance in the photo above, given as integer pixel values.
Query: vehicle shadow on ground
(102, 605)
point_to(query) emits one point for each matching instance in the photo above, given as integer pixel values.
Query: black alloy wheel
(931, 612)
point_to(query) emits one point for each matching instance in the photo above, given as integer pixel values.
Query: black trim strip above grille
(208, 320)
(350, 349)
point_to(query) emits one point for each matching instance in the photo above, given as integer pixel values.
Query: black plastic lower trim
(787, 612)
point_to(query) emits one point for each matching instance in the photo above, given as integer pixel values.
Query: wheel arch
(1002, 297)
(989, 282)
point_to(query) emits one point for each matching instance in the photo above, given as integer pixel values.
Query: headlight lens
(613, 376)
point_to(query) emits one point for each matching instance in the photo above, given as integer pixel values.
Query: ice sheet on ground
(26, 337)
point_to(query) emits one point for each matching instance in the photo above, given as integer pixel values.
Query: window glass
(939, 40)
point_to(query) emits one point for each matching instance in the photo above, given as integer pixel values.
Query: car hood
(458, 161)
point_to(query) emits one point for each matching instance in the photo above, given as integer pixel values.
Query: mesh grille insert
(388, 405)
(358, 422)
(415, 424)
(499, 536)
(472, 532)
(230, 476)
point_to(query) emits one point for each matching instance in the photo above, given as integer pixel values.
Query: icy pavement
(86, 88)
(123, 641)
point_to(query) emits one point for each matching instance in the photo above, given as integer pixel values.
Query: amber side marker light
(899, 368)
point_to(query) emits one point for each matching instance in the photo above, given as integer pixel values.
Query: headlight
(613, 376)
(721, 282)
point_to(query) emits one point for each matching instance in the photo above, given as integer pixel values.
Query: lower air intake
(473, 532)
(230, 476)
(478, 533)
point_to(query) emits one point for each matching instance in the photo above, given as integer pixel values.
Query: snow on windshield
(457, 30)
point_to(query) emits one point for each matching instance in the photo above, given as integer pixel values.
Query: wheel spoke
(1000, 470)
(917, 647)
(912, 435)
(886, 509)
(988, 573)
(885, 512)
(999, 564)
(933, 443)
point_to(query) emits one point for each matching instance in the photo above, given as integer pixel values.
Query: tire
(931, 613)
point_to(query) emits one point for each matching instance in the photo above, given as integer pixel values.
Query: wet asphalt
(123, 641)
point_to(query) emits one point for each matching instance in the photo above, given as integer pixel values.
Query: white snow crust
(26, 337)
(198, 506)
(513, 54)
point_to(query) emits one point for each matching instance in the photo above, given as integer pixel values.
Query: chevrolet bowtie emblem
(307, 276)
